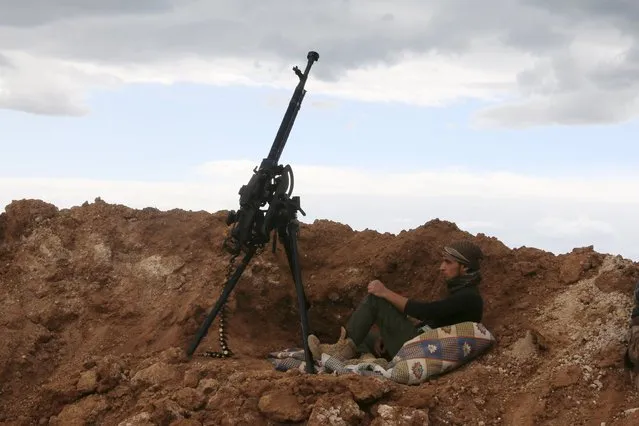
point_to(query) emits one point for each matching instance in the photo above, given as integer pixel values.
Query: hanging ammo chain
(225, 352)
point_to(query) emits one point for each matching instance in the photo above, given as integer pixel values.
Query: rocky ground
(100, 301)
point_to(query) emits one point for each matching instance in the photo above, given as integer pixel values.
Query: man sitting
(390, 311)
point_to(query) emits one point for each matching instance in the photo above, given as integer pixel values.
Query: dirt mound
(100, 301)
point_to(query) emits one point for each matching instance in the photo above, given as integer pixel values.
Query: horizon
(302, 219)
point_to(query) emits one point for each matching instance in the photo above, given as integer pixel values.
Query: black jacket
(464, 304)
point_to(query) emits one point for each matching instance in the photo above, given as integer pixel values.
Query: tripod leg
(289, 237)
(226, 292)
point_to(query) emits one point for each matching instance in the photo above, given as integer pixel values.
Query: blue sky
(528, 136)
(161, 132)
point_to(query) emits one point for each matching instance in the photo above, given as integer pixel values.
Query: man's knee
(376, 302)
(370, 298)
(381, 307)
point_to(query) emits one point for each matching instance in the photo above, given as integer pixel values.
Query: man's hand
(377, 288)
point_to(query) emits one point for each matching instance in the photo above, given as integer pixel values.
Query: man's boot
(344, 348)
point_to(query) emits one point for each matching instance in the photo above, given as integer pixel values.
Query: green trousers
(394, 327)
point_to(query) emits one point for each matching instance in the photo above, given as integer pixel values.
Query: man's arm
(423, 311)
(377, 288)
(429, 311)
(397, 300)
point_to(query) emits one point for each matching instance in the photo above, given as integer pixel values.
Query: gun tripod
(272, 184)
(287, 232)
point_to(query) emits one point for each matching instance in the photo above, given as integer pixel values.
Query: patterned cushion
(438, 351)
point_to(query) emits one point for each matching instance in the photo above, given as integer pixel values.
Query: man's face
(450, 268)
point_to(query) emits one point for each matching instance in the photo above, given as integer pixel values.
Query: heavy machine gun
(271, 184)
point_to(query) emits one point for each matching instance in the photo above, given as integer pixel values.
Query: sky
(512, 118)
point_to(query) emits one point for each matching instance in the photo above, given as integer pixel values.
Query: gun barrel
(249, 223)
(291, 112)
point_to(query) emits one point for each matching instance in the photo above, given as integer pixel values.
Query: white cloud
(49, 86)
(479, 226)
(519, 210)
(65, 193)
(537, 64)
(557, 227)
(456, 182)
(427, 80)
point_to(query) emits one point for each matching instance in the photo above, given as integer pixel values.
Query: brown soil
(100, 301)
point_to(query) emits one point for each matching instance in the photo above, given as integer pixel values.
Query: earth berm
(99, 302)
